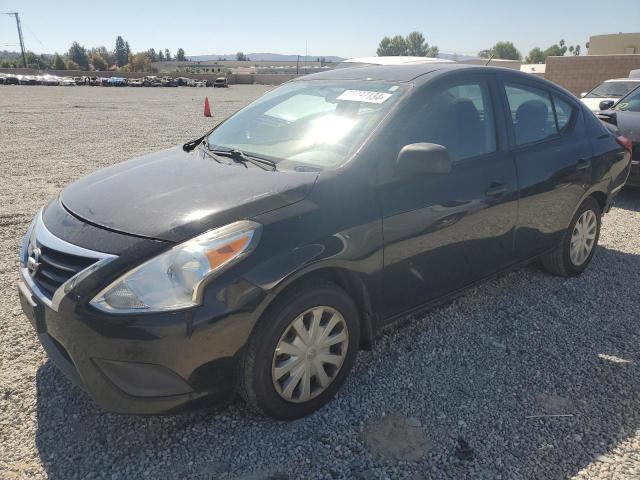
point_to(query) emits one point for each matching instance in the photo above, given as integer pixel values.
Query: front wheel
(301, 352)
(578, 243)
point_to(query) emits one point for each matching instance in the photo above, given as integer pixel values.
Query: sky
(327, 27)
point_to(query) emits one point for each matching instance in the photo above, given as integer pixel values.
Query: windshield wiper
(240, 156)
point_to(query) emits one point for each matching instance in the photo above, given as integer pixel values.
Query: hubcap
(583, 237)
(309, 354)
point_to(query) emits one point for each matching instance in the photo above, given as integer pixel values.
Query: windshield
(612, 89)
(312, 123)
(631, 103)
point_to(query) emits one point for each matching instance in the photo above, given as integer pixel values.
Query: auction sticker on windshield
(364, 96)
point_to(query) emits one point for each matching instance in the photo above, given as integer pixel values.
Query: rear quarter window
(565, 114)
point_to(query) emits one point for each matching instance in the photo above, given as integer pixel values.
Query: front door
(442, 232)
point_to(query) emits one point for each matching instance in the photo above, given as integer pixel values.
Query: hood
(174, 195)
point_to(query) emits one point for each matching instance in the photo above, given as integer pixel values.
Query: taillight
(626, 143)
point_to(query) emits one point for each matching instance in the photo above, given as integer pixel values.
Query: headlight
(173, 279)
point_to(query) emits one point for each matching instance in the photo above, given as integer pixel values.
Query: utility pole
(24, 56)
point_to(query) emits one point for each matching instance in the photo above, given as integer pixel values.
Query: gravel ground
(526, 377)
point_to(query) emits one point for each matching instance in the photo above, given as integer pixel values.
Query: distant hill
(266, 57)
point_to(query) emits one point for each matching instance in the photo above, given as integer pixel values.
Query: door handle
(496, 189)
(583, 164)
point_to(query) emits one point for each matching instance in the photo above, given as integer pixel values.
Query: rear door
(553, 159)
(442, 232)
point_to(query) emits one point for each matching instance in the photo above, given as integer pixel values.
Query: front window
(612, 89)
(630, 104)
(308, 123)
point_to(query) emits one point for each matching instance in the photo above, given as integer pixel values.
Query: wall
(582, 73)
(614, 44)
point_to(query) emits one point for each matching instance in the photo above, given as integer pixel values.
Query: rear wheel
(578, 243)
(301, 352)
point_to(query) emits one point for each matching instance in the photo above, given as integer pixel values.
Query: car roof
(416, 73)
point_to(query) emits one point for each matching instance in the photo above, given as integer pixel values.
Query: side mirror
(423, 158)
(583, 94)
(606, 104)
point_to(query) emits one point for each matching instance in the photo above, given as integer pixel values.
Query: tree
(71, 65)
(536, 56)
(556, 50)
(416, 45)
(384, 47)
(241, 57)
(38, 61)
(167, 55)
(122, 57)
(180, 55)
(127, 48)
(78, 54)
(502, 50)
(160, 56)
(398, 46)
(58, 63)
(153, 56)
(140, 62)
(98, 62)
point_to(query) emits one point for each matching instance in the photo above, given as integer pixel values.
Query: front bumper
(144, 364)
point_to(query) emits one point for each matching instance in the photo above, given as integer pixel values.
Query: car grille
(57, 267)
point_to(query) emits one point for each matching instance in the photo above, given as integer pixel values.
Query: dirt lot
(527, 377)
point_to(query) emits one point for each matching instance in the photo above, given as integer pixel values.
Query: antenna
(24, 57)
(490, 58)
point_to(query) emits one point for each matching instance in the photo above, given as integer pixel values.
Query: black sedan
(259, 258)
(625, 115)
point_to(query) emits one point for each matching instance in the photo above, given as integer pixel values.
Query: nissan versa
(261, 257)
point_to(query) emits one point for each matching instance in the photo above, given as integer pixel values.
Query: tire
(258, 367)
(559, 262)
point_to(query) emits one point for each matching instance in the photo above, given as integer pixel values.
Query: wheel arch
(347, 280)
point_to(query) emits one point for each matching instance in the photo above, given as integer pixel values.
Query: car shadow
(629, 199)
(537, 376)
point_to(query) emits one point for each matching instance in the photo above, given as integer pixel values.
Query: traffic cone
(207, 109)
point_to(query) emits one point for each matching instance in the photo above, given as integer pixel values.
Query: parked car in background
(182, 81)
(135, 82)
(200, 83)
(221, 82)
(391, 60)
(50, 80)
(79, 80)
(67, 82)
(168, 82)
(151, 81)
(625, 115)
(28, 80)
(613, 89)
(118, 81)
(11, 79)
(263, 255)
